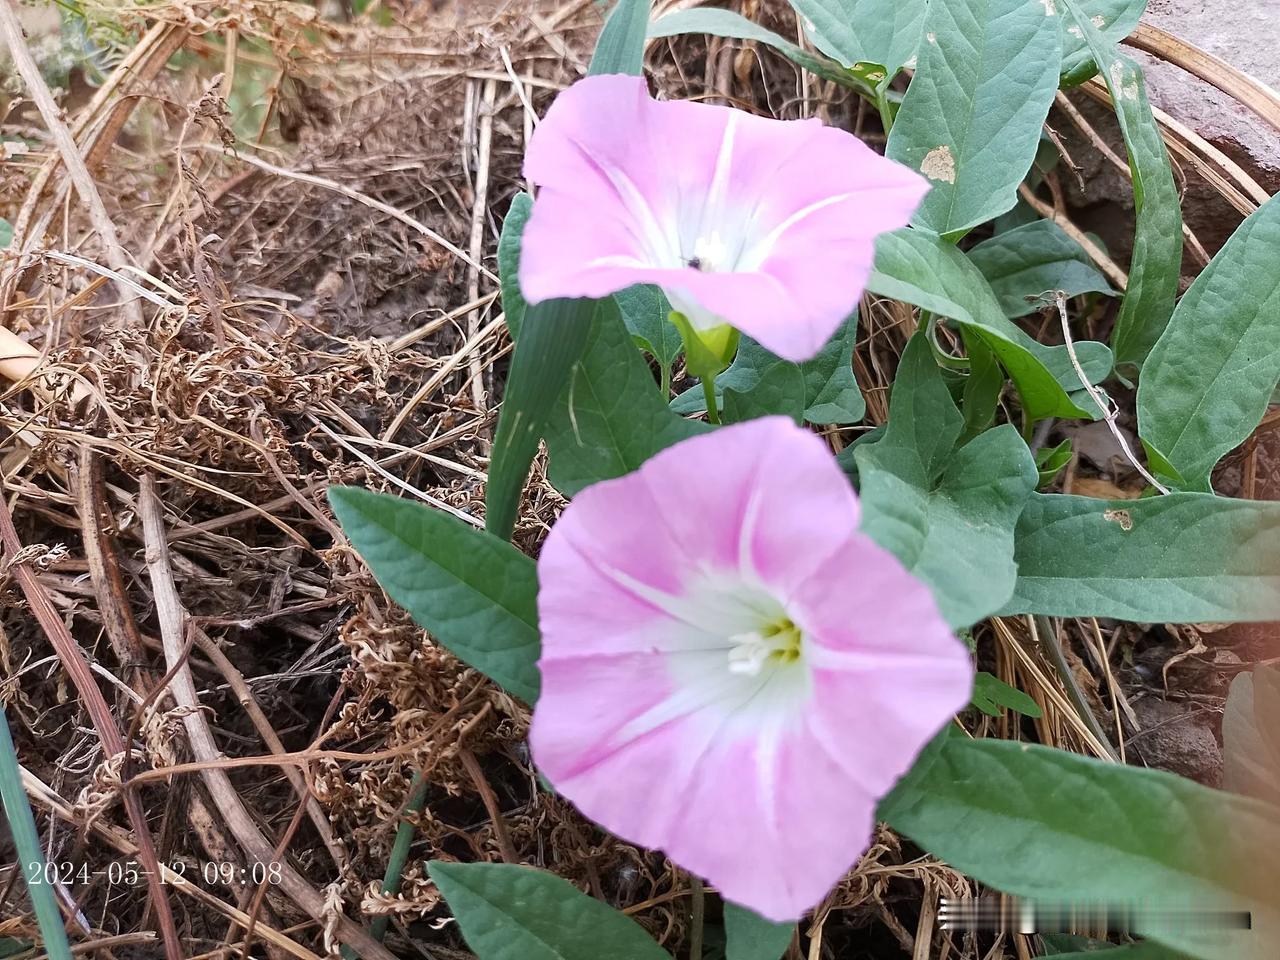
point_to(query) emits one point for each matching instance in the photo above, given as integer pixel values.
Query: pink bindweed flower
(731, 671)
(766, 225)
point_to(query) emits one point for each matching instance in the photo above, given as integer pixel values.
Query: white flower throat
(777, 643)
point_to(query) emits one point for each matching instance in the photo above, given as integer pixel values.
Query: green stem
(885, 109)
(666, 382)
(699, 910)
(22, 824)
(709, 391)
(1052, 647)
(399, 856)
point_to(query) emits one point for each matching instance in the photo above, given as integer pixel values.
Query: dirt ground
(306, 206)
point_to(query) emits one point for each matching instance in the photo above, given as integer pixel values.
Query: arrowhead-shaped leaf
(1157, 240)
(1025, 264)
(1181, 558)
(948, 516)
(1209, 379)
(971, 118)
(1037, 822)
(916, 267)
(509, 912)
(475, 593)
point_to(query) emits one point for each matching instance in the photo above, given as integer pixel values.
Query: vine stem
(709, 391)
(1105, 406)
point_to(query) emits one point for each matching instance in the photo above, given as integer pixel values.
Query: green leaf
(948, 516)
(6, 233)
(620, 48)
(1050, 461)
(971, 118)
(1114, 19)
(752, 937)
(1208, 381)
(991, 693)
(778, 389)
(916, 267)
(646, 313)
(1027, 263)
(513, 305)
(831, 393)
(1037, 822)
(1181, 558)
(544, 361)
(509, 912)
(610, 416)
(1251, 735)
(982, 386)
(874, 38)
(1063, 946)
(26, 841)
(12, 946)
(474, 592)
(726, 23)
(1157, 242)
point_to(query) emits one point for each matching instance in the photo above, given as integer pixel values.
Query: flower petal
(883, 659)
(630, 186)
(763, 781)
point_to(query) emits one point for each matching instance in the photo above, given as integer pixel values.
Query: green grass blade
(620, 48)
(23, 827)
(552, 339)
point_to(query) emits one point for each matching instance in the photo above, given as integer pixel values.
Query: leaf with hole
(474, 592)
(1113, 19)
(1027, 264)
(1181, 558)
(917, 267)
(510, 912)
(947, 514)
(971, 117)
(1208, 381)
(874, 39)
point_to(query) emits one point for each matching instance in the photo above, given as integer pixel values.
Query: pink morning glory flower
(732, 672)
(765, 225)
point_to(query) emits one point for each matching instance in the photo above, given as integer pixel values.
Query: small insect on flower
(766, 225)
(731, 671)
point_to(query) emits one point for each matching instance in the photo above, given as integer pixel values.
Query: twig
(1095, 252)
(171, 615)
(1046, 634)
(490, 802)
(1238, 85)
(77, 667)
(356, 195)
(40, 792)
(430, 387)
(408, 488)
(269, 736)
(76, 168)
(479, 212)
(1107, 408)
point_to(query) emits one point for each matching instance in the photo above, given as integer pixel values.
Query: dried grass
(294, 311)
